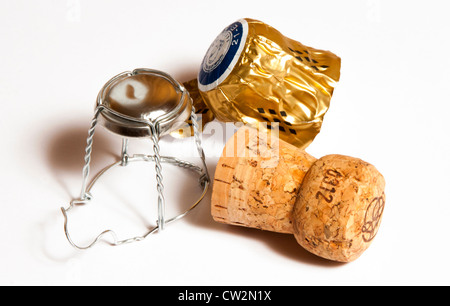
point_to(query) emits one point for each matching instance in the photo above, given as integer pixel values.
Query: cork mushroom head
(339, 207)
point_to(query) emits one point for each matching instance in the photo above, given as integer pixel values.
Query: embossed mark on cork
(372, 218)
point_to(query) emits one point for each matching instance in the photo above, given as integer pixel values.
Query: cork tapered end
(257, 180)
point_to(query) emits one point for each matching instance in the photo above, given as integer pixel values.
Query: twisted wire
(205, 177)
(159, 177)
(167, 159)
(196, 131)
(181, 163)
(88, 151)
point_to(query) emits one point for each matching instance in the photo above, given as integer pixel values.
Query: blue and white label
(222, 55)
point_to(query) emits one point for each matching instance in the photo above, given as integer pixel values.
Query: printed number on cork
(331, 180)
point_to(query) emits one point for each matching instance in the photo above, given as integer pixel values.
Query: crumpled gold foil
(273, 79)
(204, 114)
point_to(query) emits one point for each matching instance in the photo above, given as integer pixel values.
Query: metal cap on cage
(133, 99)
(142, 103)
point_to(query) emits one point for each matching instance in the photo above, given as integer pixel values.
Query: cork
(332, 205)
(257, 180)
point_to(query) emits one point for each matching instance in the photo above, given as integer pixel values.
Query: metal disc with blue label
(222, 55)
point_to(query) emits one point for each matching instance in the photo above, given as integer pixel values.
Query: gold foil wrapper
(204, 114)
(252, 73)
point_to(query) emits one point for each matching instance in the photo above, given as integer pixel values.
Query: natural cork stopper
(339, 207)
(257, 180)
(333, 205)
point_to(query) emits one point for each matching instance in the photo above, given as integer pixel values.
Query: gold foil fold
(204, 114)
(275, 80)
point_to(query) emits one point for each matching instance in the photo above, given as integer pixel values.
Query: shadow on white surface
(65, 153)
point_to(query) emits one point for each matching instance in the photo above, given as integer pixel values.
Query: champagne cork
(332, 205)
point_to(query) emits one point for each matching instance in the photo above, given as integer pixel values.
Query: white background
(390, 108)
